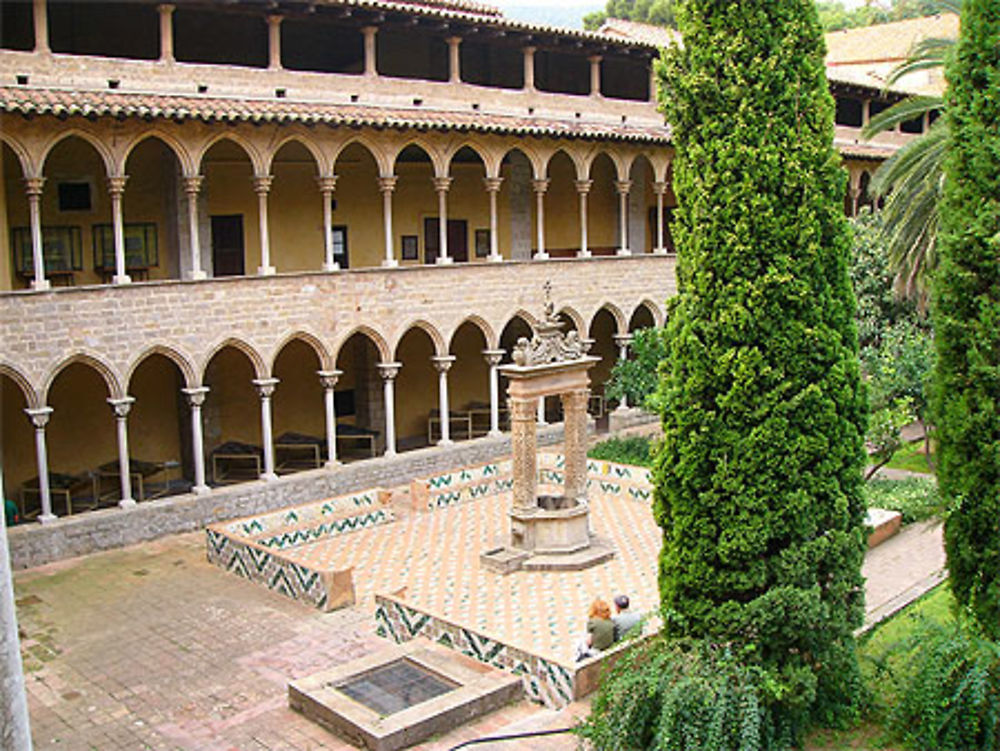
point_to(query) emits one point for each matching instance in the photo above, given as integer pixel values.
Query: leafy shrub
(683, 695)
(637, 376)
(635, 450)
(915, 498)
(949, 697)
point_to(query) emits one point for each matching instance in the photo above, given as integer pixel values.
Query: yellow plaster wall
(81, 432)
(228, 189)
(298, 399)
(413, 201)
(562, 207)
(602, 206)
(295, 212)
(232, 408)
(18, 438)
(416, 385)
(151, 167)
(468, 378)
(359, 207)
(155, 422)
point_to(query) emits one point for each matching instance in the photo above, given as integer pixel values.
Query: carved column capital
(443, 363)
(196, 396)
(660, 187)
(262, 184)
(493, 357)
(192, 184)
(328, 378)
(33, 186)
(326, 183)
(265, 386)
(622, 340)
(523, 410)
(389, 370)
(387, 183)
(39, 416)
(116, 184)
(492, 184)
(165, 8)
(583, 186)
(442, 184)
(540, 186)
(623, 187)
(122, 406)
(275, 20)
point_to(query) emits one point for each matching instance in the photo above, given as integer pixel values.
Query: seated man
(11, 516)
(625, 620)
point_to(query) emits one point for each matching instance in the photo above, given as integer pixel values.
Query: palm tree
(912, 180)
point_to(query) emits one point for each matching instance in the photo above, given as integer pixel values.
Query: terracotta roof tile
(887, 41)
(649, 34)
(63, 103)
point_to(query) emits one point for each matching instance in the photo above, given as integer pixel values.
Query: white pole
(265, 387)
(329, 378)
(121, 409)
(196, 397)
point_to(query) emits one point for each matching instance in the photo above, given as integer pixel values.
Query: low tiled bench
(253, 547)
(461, 485)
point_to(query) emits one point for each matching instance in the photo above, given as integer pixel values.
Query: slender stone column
(443, 363)
(575, 442)
(41, 20)
(866, 111)
(262, 186)
(623, 187)
(583, 188)
(166, 33)
(454, 59)
(529, 69)
(121, 409)
(40, 418)
(328, 379)
(196, 398)
(327, 184)
(660, 188)
(387, 184)
(493, 189)
(265, 388)
(540, 416)
(33, 187)
(371, 63)
(14, 707)
(441, 186)
(493, 358)
(389, 371)
(622, 341)
(274, 42)
(540, 187)
(192, 187)
(595, 75)
(525, 470)
(116, 188)
(653, 82)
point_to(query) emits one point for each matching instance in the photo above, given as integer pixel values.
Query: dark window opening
(321, 47)
(875, 107)
(227, 245)
(411, 54)
(120, 29)
(202, 36)
(74, 196)
(849, 112)
(491, 65)
(560, 73)
(341, 254)
(343, 403)
(624, 79)
(915, 125)
(935, 114)
(458, 240)
(17, 26)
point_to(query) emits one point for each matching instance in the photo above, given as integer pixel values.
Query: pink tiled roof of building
(62, 103)
(887, 42)
(646, 33)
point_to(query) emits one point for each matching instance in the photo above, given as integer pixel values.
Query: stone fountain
(549, 531)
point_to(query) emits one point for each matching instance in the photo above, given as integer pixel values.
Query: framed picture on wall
(482, 243)
(410, 250)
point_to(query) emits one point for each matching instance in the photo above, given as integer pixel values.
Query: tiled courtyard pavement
(151, 647)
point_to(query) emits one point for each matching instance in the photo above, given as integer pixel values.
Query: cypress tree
(966, 310)
(759, 473)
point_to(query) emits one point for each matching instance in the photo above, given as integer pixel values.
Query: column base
(269, 477)
(201, 490)
(126, 503)
(623, 252)
(495, 434)
(41, 286)
(47, 518)
(198, 275)
(332, 464)
(541, 256)
(266, 271)
(444, 260)
(389, 454)
(584, 254)
(123, 279)
(660, 252)
(494, 259)
(445, 442)
(331, 266)
(390, 263)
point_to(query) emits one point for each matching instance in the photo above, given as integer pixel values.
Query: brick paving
(150, 647)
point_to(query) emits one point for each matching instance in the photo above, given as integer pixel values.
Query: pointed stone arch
(183, 363)
(384, 352)
(309, 339)
(538, 164)
(107, 373)
(257, 362)
(323, 166)
(179, 150)
(375, 149)
(620, 164)
(579, 163)
(621, 323)
(440, 346)
(655, 312)
(253, 154)
(110, 167)
(31, 397)
(480, 323)
(439, 163)
(575, 317)
(28, 166)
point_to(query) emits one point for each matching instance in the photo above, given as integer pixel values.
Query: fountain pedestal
(551, 531)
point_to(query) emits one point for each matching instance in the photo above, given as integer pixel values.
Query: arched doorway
(231, 418)
(417, 415)
(159, 429)
(233, 209)
(299, 420)
(153, 215)
(360, 405)
(468, 384)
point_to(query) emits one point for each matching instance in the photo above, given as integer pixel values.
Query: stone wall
(116, 327)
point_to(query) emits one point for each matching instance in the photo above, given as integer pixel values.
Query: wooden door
(227, 245)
